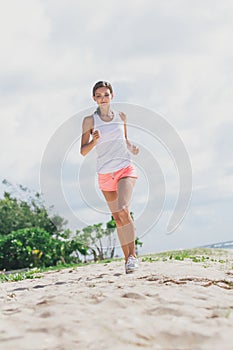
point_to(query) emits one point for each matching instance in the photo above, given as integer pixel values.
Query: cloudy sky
(174, 58)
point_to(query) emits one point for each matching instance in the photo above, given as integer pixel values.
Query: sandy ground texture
(165, 305)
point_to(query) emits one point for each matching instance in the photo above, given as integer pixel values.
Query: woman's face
(102, 96)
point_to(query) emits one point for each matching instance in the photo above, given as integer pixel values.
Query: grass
(200, 255)
(19, 276)
(33, 273)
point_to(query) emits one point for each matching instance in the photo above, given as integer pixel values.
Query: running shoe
(131, 265)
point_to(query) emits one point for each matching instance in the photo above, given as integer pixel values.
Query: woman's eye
(99, 96)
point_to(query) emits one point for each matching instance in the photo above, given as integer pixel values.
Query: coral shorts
(108, 182)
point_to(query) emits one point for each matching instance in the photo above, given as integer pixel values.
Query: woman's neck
(104, 111)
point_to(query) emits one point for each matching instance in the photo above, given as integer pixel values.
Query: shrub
(35, 247)
(16, 214)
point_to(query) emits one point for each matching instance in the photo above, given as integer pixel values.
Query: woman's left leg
(124, 191)
(118, 202)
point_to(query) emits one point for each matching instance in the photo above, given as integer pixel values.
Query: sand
(165, 305)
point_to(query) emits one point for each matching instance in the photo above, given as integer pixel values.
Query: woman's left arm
(132, 148)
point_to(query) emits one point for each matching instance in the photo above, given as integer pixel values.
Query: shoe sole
(131, 270)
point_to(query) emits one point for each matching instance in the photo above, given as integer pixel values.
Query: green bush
(16, 214)
(34, 247)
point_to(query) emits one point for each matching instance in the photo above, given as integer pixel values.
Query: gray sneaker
(131, 265)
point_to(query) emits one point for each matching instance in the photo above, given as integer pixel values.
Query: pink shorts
(108, 182)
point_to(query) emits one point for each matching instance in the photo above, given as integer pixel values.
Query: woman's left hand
(133, 149)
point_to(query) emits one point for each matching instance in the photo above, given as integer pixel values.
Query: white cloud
(173, 57)
(24, 31)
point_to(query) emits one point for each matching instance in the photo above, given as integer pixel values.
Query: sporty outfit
(113, 156)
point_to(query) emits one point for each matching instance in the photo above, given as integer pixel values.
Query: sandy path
(165, 305)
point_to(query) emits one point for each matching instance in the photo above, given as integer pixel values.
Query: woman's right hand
(95, 136)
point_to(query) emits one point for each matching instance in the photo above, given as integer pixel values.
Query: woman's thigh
(124, 191)
(120, 199)
(112, 200)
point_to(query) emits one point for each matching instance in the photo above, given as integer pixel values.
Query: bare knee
(117, 219)
(124, 216)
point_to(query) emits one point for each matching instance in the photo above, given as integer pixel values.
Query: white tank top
(111, 148)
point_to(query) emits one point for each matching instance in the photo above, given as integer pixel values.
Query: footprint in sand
(19, 289)
(46, 314)
(38, 330)
(38, 286)
(6, 339)
(10, 311)
(133, 295)
(43, 302)
(162, 310)
(182, 340)
(59, 283)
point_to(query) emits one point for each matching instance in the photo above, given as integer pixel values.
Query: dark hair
(102, 84)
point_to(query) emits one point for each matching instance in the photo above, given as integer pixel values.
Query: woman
(106, 131)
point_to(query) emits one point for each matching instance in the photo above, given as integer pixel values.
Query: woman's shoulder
(88, 119)
(122, 116)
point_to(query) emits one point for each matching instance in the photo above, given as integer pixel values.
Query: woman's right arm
(86, 144)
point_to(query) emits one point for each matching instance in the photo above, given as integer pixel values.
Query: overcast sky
(171, 57)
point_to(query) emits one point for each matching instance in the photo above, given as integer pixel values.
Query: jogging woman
(106, 131)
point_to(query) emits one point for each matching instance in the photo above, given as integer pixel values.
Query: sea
(220, 245)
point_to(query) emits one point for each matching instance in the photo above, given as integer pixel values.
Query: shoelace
(131, 260)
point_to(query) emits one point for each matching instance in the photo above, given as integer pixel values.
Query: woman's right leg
(112, 201)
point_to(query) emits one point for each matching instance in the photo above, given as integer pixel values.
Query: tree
(90, 235)
(22, 213)
(110, 230)
(24, 209)
(99, 240)
(138, 244)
